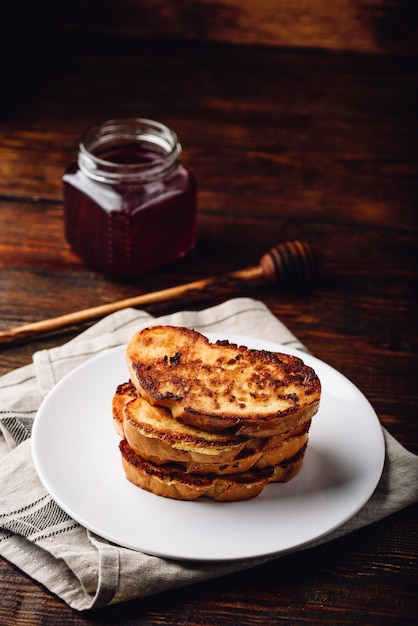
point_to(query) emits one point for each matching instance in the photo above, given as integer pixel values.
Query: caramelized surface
(159, 438)
(220, 385)
(171, 481)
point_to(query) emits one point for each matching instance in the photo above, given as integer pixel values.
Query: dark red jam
(129, 204)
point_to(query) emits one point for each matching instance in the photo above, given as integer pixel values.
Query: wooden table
(308, 138)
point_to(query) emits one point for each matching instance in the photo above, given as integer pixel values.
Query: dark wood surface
(285, 142)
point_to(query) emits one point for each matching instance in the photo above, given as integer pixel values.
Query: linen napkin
(83, 569)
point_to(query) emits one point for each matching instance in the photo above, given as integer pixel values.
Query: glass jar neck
(132, 151)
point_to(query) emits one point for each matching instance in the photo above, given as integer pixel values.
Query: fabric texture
(83, 569)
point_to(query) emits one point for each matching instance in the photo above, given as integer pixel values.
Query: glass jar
(129, 203)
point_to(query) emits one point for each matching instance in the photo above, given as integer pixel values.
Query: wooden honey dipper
(288, 263)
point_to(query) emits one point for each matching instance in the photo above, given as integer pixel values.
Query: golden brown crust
(281, 453)
(285, 471)
(244, 461)
(220, 386)
(172, 481)
(124, 393)
(157, 437)
(153, 431)
(267, 443)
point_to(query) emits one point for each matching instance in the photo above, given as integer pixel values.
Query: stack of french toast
(216, 420)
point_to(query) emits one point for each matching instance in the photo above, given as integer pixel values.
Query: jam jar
(129, 203)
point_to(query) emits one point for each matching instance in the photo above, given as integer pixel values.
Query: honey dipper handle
(286, 263)
(41, 327)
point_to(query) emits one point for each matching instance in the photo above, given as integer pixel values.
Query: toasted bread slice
(284, 451)
(243, 462)
(277, 457)
(268, 443)
(150, 431)
(156, 442)
(220, 386)
(154, 427)
(172, 481)
(286, 470)
(155, 434)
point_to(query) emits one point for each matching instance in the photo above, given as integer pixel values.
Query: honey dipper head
(291, 263)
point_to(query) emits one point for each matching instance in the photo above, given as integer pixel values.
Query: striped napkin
(83, 569)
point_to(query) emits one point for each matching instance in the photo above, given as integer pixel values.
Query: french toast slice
(149, 430)
(221, 386)
(155, 434)
(277, 458)
(154, 445)
(171, 481)
(288, 469)
(243, 462)
(153, 426)
(283, 452)
(268, 443)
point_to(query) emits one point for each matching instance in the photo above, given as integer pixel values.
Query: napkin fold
(83, 569)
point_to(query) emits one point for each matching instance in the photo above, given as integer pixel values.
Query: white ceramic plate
(76, 455)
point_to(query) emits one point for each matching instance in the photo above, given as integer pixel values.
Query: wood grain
(379, 27)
